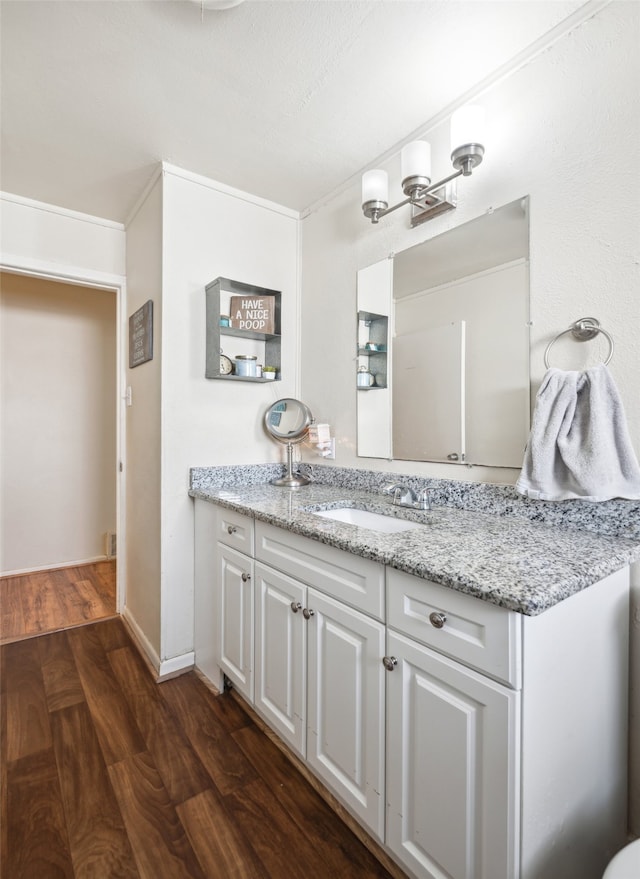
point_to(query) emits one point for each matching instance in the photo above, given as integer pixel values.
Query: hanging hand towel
(579, 446)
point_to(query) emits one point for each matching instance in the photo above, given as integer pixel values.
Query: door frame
(82, 277)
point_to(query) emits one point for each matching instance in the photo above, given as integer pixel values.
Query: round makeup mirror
(287, 421)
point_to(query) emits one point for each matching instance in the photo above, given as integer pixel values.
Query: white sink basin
(365, 519)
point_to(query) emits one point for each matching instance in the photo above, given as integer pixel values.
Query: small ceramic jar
(246, 365)
(364, 378)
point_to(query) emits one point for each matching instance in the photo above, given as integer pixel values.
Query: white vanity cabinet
(452, 733)
(298, 628)
(319, 683)
(471, 741)
(319, 676)
(506, 734)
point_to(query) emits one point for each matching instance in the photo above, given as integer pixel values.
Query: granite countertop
(505, 559)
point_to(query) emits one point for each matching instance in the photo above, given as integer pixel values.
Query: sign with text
(255, 313)
(141, 335)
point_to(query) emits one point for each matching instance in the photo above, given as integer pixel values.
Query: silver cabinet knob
(454, 456)
(389, 662)
(231, 529)
(296, 606)
(246, 577)
(437, 619)
(307, 613)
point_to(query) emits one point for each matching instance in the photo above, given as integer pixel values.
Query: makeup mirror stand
(287, 421)
(290, 479)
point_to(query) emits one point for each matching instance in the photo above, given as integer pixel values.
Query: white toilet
(626, 864)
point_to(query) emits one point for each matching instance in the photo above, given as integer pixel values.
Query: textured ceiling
(285, 100)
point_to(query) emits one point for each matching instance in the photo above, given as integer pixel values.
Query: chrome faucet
(404, 496)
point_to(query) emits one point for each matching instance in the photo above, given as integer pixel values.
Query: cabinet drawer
(235, 529)
(476, 633)
(356, 581)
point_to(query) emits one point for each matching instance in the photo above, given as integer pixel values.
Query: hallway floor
(107, 774)
(46, 601)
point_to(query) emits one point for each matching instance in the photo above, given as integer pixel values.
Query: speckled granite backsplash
(616, 518)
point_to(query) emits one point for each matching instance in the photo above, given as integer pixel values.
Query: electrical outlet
(327, 449)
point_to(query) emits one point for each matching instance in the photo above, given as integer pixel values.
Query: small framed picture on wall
(141, 335)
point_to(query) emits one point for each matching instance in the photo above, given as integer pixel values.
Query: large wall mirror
(456, 387)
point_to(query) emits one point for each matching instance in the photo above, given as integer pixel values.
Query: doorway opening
(60, 444)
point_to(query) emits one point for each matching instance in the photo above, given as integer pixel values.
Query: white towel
(579, 446)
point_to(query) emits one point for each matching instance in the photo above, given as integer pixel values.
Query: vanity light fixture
(426, 198)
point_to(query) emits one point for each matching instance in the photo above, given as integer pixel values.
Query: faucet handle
(399, 493)
(393, 489)
(424, 499)
(403, 496)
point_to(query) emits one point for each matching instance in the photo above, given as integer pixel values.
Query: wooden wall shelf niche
(232, 340)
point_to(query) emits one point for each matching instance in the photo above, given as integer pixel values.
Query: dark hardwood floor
(46, 601)
(108, 775)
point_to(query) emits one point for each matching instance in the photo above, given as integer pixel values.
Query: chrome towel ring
(583, 330)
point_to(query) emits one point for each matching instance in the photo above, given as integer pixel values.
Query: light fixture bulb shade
(415, 160)
(375, 186)
(468, 126)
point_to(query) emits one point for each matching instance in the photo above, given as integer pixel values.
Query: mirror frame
(376, 292)
(292, 437)
(290, 479)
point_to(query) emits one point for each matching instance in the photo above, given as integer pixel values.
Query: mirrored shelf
(373, 329)
(246, 378)
(367, 352)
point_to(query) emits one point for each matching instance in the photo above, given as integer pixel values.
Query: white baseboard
(162, 669)
(177, 665)
(142, 642)
(56, 567)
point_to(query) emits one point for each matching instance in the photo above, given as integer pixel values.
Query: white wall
(57, 422)
(205, 230)
(563, 130)
(142, 463)
(45, 241)
(582, 91)
(212, 231)
(43, 237)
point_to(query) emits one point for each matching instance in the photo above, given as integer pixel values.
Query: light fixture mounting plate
(437, 202)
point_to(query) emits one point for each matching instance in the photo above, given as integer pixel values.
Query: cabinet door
(345, 706)
(452, 767)
(281, 650)
(235, 618)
